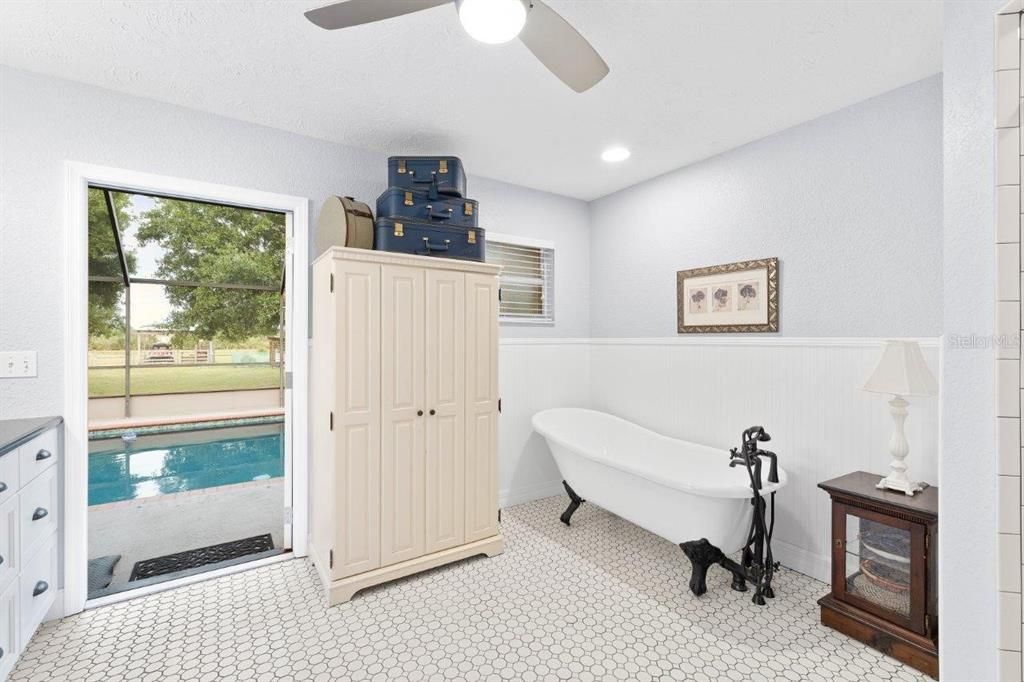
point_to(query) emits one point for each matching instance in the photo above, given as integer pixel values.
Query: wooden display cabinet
(884, 572)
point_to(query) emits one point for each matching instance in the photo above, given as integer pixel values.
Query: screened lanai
(186, 307)
(187, 467)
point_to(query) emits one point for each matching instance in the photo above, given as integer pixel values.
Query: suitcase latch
(442, 166)
(401, 165)
(468, 208)
(408, 198)
(399, 230)
(471, 235)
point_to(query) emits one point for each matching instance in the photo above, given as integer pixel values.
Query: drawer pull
(3, 486)
(41, 586)
(39, 513)
(43, 454)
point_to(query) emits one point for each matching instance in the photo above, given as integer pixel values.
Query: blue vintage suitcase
(418, 172)
(414, 204)
(429, 239)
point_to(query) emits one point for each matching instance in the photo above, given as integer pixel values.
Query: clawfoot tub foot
(574, 503)
(703, 555)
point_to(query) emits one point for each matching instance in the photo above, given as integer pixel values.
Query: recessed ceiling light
(615, 154)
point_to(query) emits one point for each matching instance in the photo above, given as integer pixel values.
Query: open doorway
(186, 466)
(186, 405)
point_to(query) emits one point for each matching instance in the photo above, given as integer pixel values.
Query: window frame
(547, 319)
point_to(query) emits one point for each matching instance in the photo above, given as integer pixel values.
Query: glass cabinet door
(875, 564)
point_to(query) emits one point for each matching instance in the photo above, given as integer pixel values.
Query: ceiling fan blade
(356, 12)
(562, 49)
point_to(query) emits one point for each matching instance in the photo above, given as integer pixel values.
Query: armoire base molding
(341, 591)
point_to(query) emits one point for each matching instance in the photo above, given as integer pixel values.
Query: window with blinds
(527, 279)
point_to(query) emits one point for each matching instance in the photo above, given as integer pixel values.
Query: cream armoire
(404, 413)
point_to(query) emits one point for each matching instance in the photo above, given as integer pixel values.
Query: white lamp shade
(902, 371)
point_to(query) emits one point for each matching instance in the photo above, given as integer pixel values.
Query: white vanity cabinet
(30, 527)
(404, 411)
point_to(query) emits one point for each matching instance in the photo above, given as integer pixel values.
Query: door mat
(193, 558)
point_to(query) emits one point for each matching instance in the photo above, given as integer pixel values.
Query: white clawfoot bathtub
(679, 490)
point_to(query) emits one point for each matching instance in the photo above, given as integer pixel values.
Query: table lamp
(901, 371)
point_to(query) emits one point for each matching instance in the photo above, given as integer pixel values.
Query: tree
(207, 243)
(106, 310)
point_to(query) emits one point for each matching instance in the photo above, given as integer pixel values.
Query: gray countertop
(14, 432)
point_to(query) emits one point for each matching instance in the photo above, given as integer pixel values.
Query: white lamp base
(899, 449)
(905, 486)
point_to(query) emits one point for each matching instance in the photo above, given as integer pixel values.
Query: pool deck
(151, 527)
(136, 422)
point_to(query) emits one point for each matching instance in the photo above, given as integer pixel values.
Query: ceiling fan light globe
(492, 21)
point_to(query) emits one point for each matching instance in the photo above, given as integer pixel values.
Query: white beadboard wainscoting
(534, 375)
(804, 391)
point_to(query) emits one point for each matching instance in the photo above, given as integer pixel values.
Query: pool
(162, 463)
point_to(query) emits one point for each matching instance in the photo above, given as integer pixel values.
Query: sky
(150, 307)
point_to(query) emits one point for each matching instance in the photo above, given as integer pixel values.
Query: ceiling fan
(545, 33)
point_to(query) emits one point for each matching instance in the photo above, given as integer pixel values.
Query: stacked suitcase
(425, 211)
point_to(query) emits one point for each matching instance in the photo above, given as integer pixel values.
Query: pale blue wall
(850, 202)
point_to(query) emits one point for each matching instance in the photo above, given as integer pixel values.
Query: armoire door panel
(445, 390)
(402, 399)
(360, 322)
(481, 406)
(446, 483)
(356, 419)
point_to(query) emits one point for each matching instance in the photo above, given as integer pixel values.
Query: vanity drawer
(9, 479)
(38, 455)
(37, 588)
(37, 509)
(10, 549)
(8, 629)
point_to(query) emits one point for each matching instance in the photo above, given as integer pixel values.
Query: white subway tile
(1009, 562)
(1009, 504)
(1008, 329)
(1007, 388)
(1007, 49)
(1008, 213)
(1008, 272)
(1009, 621)
(1009, 666)
(1009, 443)
(1008, 156)
(1007, 98)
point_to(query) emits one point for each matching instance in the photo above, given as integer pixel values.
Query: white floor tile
(601, 600)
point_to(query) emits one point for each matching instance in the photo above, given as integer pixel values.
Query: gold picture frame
(728, 299)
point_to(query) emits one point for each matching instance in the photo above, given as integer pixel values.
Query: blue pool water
(159, 464)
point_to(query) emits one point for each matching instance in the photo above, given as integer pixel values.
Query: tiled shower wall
(1009, 380)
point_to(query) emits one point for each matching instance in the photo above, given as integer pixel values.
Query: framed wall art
(730, 298)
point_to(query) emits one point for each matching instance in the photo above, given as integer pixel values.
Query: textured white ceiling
(688, 79)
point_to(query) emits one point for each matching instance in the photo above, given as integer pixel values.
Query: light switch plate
(17, 364)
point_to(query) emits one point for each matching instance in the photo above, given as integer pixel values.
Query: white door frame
(76, 337)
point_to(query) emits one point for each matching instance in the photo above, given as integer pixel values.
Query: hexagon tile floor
(601, 600)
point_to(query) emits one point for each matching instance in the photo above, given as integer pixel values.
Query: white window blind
(527, 279)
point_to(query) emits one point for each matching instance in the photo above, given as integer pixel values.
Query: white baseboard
(507, 498)
(803, 561)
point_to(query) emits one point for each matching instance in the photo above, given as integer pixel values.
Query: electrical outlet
(17, 364)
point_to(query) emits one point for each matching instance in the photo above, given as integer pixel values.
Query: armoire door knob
(432, 413)
(419, 413)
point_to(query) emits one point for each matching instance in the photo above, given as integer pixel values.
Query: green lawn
(105, 383)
